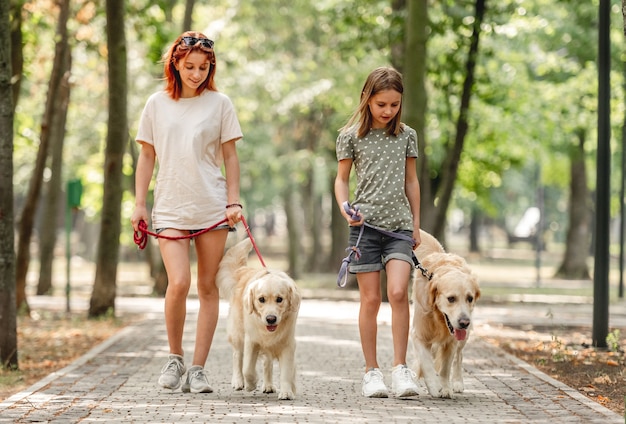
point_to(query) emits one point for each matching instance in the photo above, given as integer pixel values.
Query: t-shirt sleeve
(344, 146)
(411, 148)
(145, 129)
(231, 129)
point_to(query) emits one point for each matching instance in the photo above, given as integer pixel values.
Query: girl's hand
(417, 237)
(139, 214)
(233, 214)
(352, 215)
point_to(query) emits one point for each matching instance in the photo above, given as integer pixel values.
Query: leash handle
(352, 211)
(141, 236)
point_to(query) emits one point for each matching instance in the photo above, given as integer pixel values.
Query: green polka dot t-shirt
(379, 162)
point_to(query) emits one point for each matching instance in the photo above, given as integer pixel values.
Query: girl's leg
(398, 274)
(210, 249)
(369, 290)
(175, 255)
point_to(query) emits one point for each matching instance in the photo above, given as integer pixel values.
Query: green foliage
(294, 70)
(613, 340)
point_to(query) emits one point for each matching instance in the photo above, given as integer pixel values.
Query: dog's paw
(458, 386)
(434, 386)
(237, 383)
(250, 385)
(286, 395)
(446, 393)
(250, 382)
(269, 388)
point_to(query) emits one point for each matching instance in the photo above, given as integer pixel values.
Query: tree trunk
(17, 57)
(49, 227)
(103, 295)
(293, 233)
(574, 265)
(450, 166)
(188, 18)
(474, 227)
(34, 189)
(339, 231)
(415, 98)
(398, 47)
(154, 259)
(8, 311)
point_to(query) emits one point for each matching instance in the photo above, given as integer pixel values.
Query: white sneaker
(172, 372)
(402, 383)
(373, 385)
(196, 381)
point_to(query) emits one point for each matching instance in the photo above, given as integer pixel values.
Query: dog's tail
(234, 258)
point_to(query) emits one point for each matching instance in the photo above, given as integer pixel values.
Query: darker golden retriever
(442, 318)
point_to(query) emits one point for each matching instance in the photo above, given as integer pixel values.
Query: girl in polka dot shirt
(383, 152)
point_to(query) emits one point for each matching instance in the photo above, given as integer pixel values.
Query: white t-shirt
(187, 135)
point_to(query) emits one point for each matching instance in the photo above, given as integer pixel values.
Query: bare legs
(175, 253)
(398, 273)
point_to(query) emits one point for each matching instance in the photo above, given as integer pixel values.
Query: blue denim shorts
(377, 249)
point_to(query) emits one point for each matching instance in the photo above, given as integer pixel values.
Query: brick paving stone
(116, 382)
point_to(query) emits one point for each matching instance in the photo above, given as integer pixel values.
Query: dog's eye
(470, 299)
(279, 299)
(451, 299)
(261, 300)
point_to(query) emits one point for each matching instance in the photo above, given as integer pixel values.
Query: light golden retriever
(442, 316)
(264, 305)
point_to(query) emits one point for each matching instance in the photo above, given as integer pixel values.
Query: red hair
(178, 51)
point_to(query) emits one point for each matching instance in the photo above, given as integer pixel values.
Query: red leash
(141, 237)
(256, 249)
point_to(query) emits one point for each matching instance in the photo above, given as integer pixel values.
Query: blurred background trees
(502, 94)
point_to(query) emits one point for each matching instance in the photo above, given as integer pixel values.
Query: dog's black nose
(270, 319)
(464, 323)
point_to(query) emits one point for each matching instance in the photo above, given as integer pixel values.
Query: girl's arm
(143, 176)
(231, 168)
(412, 190)
(342, 189)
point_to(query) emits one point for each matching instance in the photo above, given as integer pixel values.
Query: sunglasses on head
(192, 41)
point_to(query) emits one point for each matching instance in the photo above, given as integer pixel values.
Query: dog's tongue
(271, 328)
(460, 334)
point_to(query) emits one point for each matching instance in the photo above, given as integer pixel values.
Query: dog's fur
(264, 306)
(442, 316)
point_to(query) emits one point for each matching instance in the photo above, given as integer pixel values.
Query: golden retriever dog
(264, 305)
(443, 301)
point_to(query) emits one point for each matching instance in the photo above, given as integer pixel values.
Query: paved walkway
(116, 380)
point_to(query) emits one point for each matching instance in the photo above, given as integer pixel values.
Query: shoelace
(408, 373)
(198, 373)
(376, 376)
(173, 365)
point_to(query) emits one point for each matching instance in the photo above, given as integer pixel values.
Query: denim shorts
(377, 249)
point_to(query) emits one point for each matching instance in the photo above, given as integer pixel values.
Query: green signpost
(74, 193)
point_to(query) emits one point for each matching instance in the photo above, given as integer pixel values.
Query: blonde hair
(380, 79)
(179, 50)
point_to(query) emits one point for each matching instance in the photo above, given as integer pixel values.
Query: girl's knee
(397, 295)
(207, 290)
(177, 289)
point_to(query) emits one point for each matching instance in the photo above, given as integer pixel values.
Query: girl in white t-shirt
(191, 130)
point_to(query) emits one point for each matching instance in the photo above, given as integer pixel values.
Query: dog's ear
(476, 286)
(432, 293)
(294, 299)
(248, 298)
